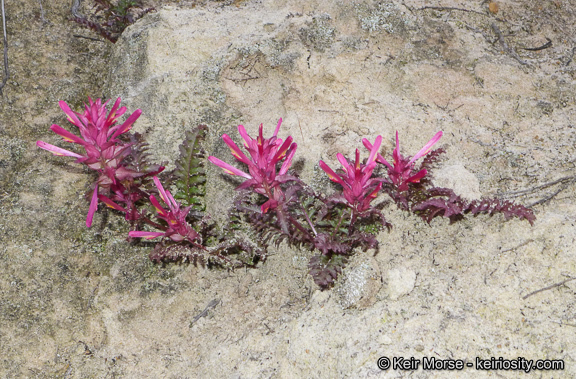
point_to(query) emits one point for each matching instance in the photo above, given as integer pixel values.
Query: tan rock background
(79, 302)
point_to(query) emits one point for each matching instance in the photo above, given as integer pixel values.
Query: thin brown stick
(451, 9)
(505, 46)
(210, 305)
(552, 195)
(571, 56)
(567, 181)
(90, 38)
(549, 287)
(6, 72)
(537, 188)
(564, 323)
(516, 247)
(42, 13)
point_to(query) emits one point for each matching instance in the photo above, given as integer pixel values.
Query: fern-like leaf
(444, 202)
(137, 159)
(190, 175)
(326, 269)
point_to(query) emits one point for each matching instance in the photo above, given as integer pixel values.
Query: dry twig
(90, 38)
(42, 13)
(516, 247)
(505, 46)
(566, 181)
(74, 10)
(6, 72)
(571, 56)
(545, 46)
(549, 287)
(451, 9)
(210, 305)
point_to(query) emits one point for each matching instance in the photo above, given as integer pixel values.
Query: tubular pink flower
(228, 168)
(147, 235)
(71, 116)
(265, 154)
(379, 158)
(374, 151)
(104, 152)
(288, 162)
(127, 125)
(66, 134)
(106, 200)
(426, 149)
(247, 139)
(93, 207)
(161, 211)
(277, 127)
(56, 150)
(236, 152)
(331, 174)
(358, 187)
(178, 229)
(400, 174)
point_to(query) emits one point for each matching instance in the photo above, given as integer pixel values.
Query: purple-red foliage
(284, 208)
(110, 19)
(333, 225)
(174, 219)
(444, 202)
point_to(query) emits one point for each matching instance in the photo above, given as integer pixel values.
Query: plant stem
(154, 224)
(353, 217)
(300, 227)
(6, 72)
(308, 218)
(338, 226)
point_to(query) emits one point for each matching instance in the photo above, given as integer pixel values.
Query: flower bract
(359, 188)
(178, 228)
(265, 154)
(103, 151)
(401, 172)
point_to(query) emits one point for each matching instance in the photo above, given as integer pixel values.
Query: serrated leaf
(190, 172)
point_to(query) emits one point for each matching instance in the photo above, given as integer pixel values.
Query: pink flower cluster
(265, 154)
(401, 173)
(104, 152)
(359, 188)
(178, 229)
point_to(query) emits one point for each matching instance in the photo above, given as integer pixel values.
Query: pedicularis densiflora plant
(272, 203)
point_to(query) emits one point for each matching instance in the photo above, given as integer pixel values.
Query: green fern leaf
(190, 174)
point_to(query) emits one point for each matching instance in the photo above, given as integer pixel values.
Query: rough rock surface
(85, 303)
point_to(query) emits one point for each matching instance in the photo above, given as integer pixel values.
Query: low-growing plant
(129, 184)
(272, 200)
(111, 18)
(336, 225)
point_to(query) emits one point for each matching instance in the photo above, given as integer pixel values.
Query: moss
(318, 34)
(212, 69)
(381, 16)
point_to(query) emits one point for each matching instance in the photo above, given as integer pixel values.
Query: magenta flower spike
(97, 131)
(98, 136)
(400, 173)
(178, 228)
(265, 154)
(359, 189)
